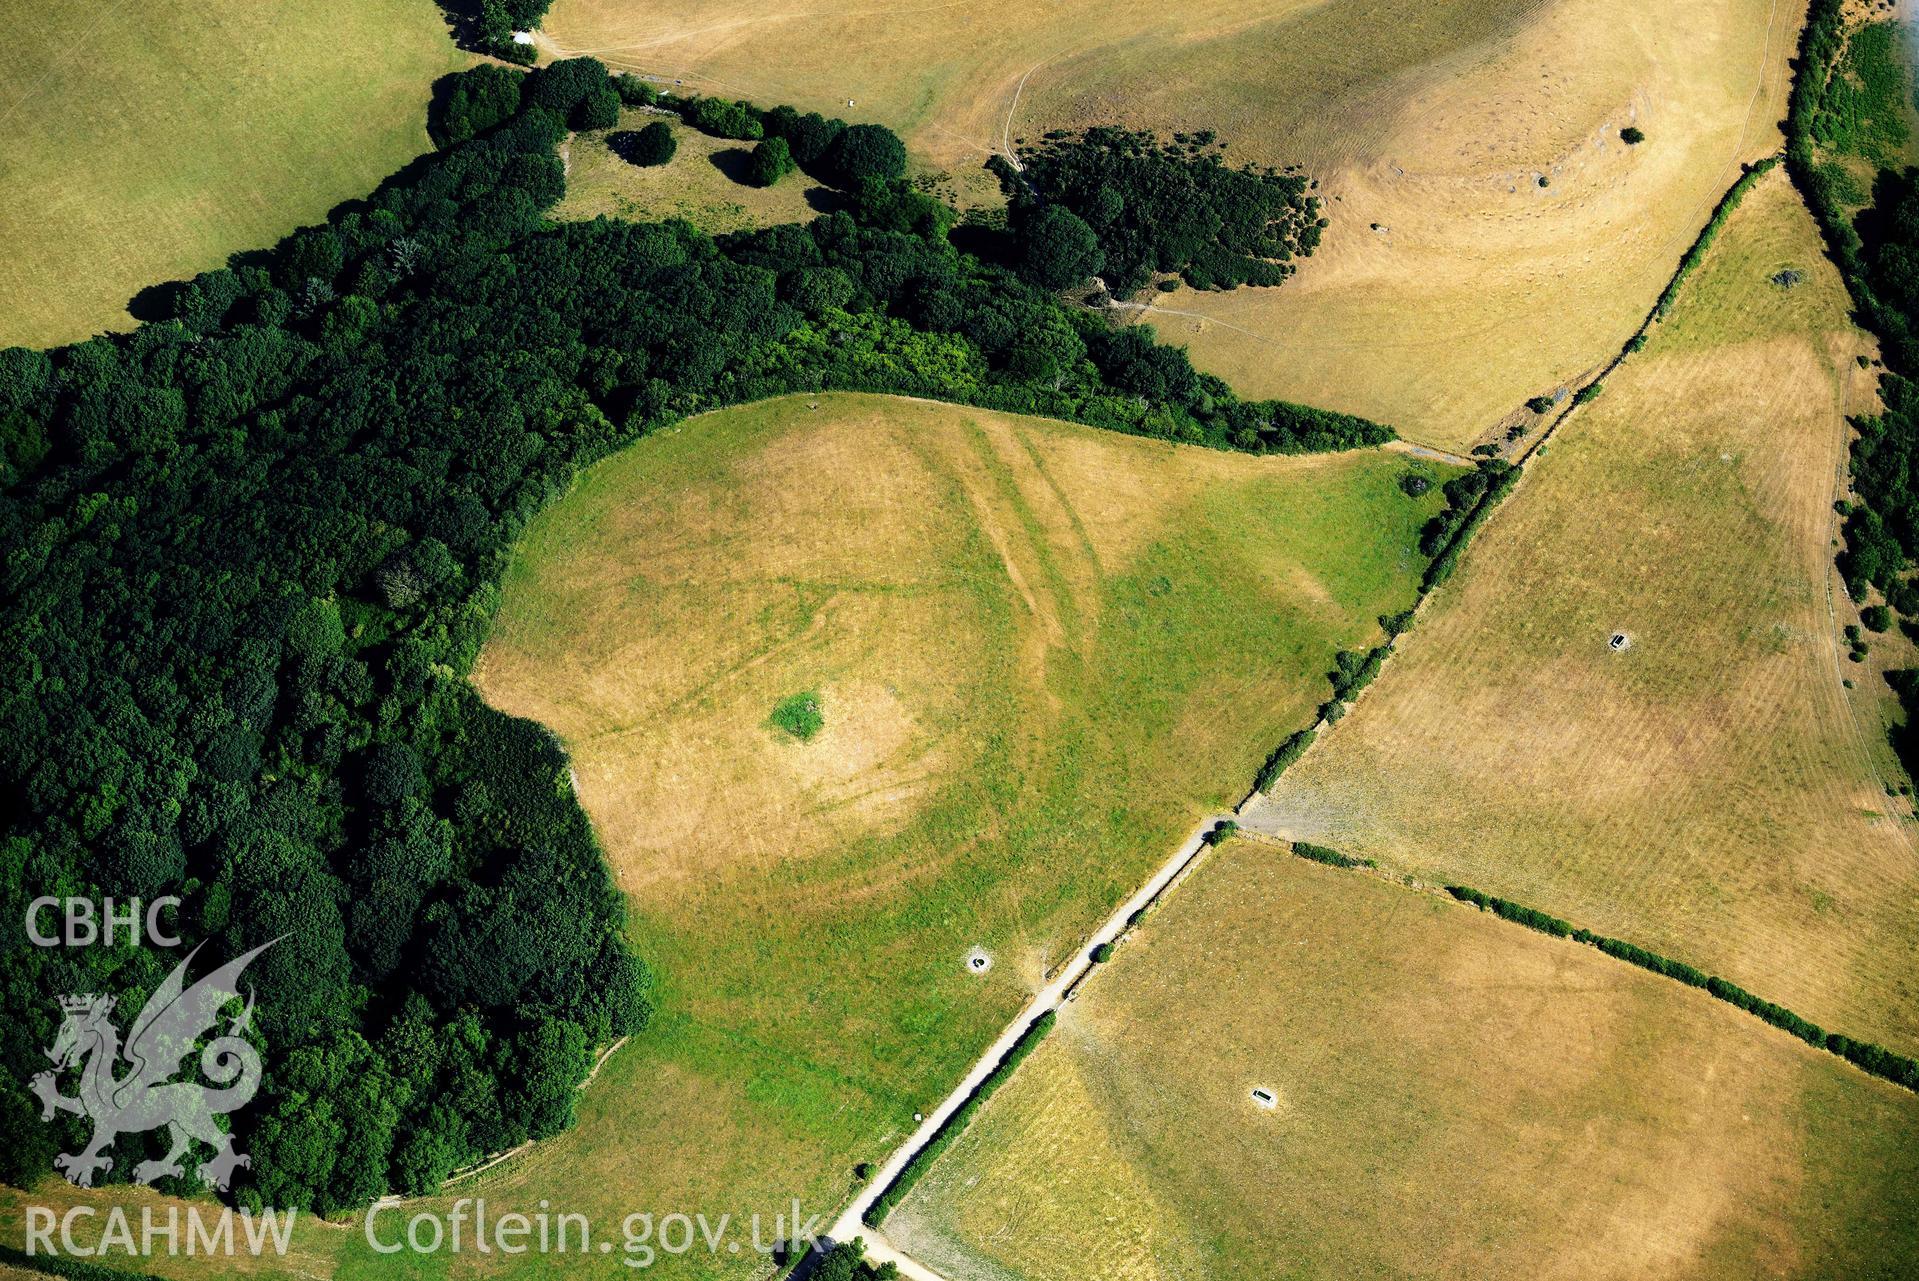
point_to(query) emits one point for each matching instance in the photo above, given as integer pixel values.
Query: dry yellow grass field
(1713, 792)
(146, 142)
(1453, 285)
(1478, 288)
(1456, 1097)
(693, 185)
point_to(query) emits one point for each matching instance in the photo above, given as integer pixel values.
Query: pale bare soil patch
(1456, 1097)
(1713, 792)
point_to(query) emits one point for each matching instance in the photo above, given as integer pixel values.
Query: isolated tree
(866, 151)
(1057, 248)
(653, 145)
(1632, 135)
(772, 161)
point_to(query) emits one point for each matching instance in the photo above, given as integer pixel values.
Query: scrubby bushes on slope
(1165, 207)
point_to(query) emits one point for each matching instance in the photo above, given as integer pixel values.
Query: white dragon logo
(145, 1098)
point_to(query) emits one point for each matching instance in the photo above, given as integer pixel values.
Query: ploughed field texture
(1039, 655)
(145, 142)
(1453, 1096)
(1713, 792)
(1451, 285)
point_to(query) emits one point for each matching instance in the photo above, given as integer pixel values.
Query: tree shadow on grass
(826, 200)
(736, 163)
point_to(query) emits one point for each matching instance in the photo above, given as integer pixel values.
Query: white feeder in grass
(1265, 1098)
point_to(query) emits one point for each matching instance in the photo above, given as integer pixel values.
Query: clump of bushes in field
(1632, 135)
(799, 716)
(723, 118)
(1284, 755)
(1220, 832)
(846, 1261)
(650, 145)
(1470, 499)
(466, 105)
(772, 161)
(1354, 671)
(1102, 953)
(635, 91)
(1128, 205)
(490, 29)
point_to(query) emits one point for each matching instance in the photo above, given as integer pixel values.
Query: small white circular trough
(978, 962)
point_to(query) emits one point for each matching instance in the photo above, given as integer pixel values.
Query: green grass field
(1713, 792)
(1041, 652)
(146, 142)
(1454, 1096)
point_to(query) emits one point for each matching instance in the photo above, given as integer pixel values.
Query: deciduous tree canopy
(1169, 207)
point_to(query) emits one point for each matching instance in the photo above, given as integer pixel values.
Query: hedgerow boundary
(1820, 44)
(956, 1124)
(1864, 1055)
